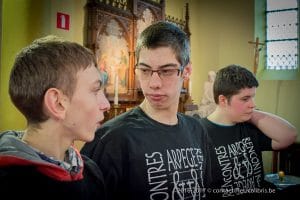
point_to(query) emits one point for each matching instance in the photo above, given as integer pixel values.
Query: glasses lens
(146, 73)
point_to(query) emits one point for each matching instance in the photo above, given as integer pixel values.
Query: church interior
(220, 34)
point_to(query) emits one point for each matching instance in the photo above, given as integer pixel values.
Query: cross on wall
(257, 49)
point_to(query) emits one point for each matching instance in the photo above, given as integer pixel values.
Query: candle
(116, 99)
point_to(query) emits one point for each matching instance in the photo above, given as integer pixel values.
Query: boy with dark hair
(240, 133)
(152, 151)
(57, 87)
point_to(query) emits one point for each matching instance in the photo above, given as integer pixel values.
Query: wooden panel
(287, 160)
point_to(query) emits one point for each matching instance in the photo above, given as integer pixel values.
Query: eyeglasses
(166, 73)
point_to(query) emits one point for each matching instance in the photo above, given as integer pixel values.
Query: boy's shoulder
(119, 120)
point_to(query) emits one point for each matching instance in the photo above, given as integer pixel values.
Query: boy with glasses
(152, 151)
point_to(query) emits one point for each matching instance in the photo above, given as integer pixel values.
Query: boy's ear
(187, 71)
(222, 100)
(55, 103)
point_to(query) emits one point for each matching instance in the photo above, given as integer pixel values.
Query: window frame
(260, 23)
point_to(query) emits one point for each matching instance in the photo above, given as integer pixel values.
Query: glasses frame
(158, 71)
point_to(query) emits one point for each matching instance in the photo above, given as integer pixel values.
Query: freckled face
(87, 105)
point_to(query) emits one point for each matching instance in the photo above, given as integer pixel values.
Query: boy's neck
(218, 117)
(49, 142)
(164, 116)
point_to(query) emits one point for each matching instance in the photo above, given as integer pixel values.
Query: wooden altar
(111, 30)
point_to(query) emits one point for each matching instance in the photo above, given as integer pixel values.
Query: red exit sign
(62, 21)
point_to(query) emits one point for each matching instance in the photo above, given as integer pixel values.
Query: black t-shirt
(144, 159)
(237, 160)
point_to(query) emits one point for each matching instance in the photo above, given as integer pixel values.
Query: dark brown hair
(165, 34)
(48, 62)
(231, 79)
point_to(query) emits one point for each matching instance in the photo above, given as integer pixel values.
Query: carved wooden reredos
(111, 30)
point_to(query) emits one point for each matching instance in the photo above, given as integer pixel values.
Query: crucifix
(256, 54)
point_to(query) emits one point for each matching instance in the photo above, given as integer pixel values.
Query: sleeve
(93, 179)
(264, 142)
(206, 145)
(107, 151)
(207, 148)
(88, 148)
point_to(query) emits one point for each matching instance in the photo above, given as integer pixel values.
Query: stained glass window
(282, 34)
